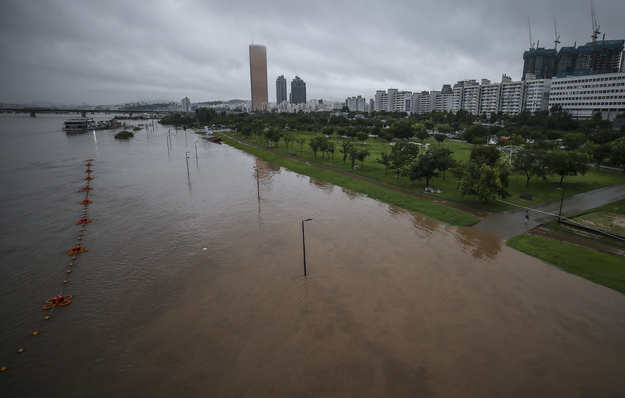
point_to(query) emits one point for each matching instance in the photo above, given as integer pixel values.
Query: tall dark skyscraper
(258, 76)
(298, 91)
(280, 89)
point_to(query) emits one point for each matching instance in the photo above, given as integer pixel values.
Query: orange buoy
(83, 221)
(58, 300)
(86, 202)
(76, 249)
(88, 171)
(86, 189)
(89, 178)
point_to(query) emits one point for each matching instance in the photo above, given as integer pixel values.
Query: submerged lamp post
(187, 158)
(561, 201)
(304, 243)
(258, 181)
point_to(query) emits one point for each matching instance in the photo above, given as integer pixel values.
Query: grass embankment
(602, 268)
(609, 218)
(430, 209)
(541, 191)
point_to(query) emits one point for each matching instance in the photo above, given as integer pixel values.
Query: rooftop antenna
(529, 28)
(557, 40)
(595, 26)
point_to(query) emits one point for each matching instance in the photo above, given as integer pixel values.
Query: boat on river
(77, 125)
(212, 138)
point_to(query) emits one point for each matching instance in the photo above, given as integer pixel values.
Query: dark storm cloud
(75, 51)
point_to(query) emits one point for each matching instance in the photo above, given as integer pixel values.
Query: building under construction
(597, 57)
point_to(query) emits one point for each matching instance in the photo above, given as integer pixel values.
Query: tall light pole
(186, 154)
(196, 149)
(304, 243)
(258, 181)
(561, 201)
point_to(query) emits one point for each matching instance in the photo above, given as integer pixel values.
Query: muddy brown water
(194, 287)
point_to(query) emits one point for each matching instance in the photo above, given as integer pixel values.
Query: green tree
(444, 160)
(385, 159)
(598, 152)
(475, 134)
(485, 182)
(402, 129)
(488, 155)
(420, 131)
(362, 136)
(288, 137)
(346, 146)
(531, 162)
(573, 141)
(564, 163)
(425, 166)
(301, 142)
(617, 155)
(316, 143)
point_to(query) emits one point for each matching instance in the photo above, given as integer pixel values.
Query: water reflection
(481, 245)
(422, 224)
(352, 195)
(326, 186)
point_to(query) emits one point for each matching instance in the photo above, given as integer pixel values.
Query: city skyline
(167, 50)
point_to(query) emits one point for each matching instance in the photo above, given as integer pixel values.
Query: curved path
(511, 223)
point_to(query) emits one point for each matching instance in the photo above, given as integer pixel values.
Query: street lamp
(561, 201)
(196, 149)
(186, 154)
(304, 243)
(258, 181)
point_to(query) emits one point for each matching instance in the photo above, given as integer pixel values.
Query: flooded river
(193, 286)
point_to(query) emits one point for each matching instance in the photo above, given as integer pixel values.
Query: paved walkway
(512, 223)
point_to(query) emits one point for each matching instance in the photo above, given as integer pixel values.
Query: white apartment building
(489, 97)
(443, 102)
(356, 104)
(186, 104)
(381, 100)
(583, 96)
(536, 93)
(471, 99)
(512, 94)
(402, 101)
(423, 102)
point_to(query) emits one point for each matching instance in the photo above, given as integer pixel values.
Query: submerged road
(512, 223)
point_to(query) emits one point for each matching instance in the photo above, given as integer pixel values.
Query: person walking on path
(527, 216)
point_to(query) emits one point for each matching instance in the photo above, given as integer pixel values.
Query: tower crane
(595, 26)
(557, 40)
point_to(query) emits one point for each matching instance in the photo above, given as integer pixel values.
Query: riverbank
(445, 211)
(573, 253)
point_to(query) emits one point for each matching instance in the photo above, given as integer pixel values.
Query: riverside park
(559, 196)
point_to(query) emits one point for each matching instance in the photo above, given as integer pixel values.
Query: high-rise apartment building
(258, 76)
(596, 57)
(186, 104)
(280, 89)
(298, 91)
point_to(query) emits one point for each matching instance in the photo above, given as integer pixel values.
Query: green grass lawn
(542, 191)
(609, 218)
(602, 268)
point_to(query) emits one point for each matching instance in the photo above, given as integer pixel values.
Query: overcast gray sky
(114, 51)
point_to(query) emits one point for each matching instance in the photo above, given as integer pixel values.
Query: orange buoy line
(60, 299)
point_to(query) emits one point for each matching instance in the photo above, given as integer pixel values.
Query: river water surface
(192, 286)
